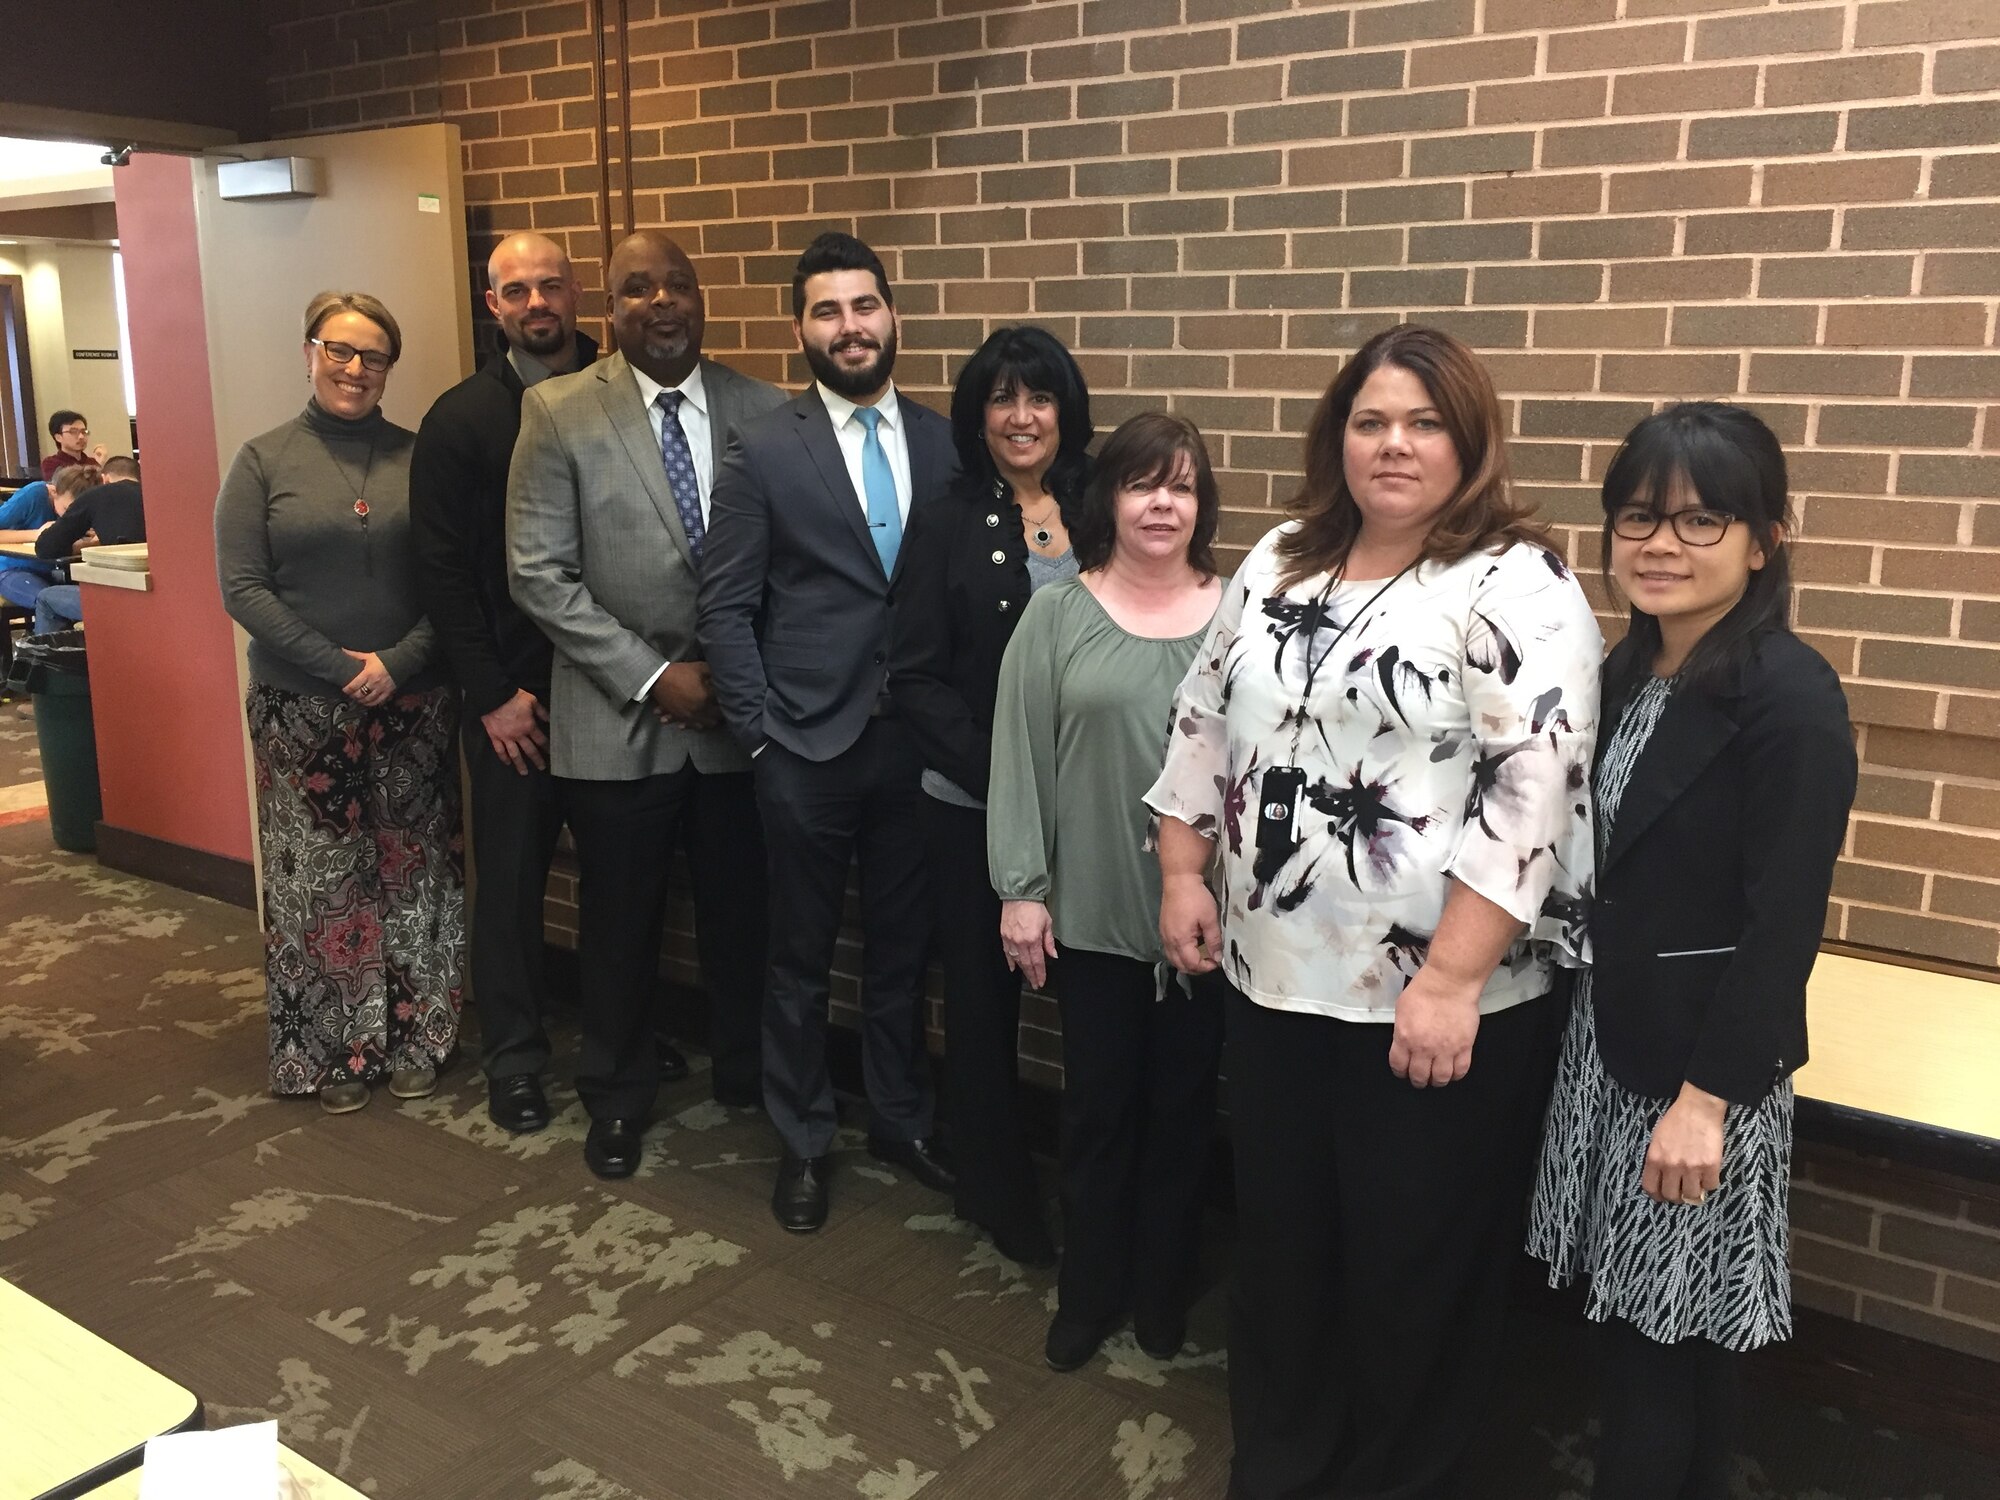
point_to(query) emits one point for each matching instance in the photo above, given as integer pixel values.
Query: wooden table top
(1905, 1043)
(73, 1401)
(309, 1482)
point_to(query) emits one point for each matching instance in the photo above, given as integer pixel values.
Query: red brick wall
(1791, 202)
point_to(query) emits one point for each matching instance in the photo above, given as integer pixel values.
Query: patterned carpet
(20, 752)
(433, 1309)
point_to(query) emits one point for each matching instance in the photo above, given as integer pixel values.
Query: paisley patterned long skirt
(364, 895)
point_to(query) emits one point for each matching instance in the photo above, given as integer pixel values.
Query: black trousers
(1669, 1416)
(626, 832)
(982, 1020)
(1377, 1228)
(864, 804)
(515, 822)
(1138, 1116)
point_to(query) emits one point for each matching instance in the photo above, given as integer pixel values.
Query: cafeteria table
(309, 1482)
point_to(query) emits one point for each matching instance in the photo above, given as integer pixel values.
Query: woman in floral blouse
(1383, 748)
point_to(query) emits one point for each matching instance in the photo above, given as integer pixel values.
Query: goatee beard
(853, 383)
(541, 345)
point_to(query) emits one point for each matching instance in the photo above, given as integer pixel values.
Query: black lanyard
(1312, 628)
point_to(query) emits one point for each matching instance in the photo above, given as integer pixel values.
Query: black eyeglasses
(1695, 526)
(343, 354)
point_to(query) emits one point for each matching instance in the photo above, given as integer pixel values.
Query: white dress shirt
(694, 424)
(852, 434)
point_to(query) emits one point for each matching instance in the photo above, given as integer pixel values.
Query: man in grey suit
(804, 552)
(607, 511)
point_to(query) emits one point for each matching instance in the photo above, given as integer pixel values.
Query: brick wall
(1917, 1253)
(1212, 201)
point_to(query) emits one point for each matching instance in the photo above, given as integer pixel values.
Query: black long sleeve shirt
(458, 519)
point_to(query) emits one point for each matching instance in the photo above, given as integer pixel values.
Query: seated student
(108, 512)
(72, 435)
(27, 513)
(22, 515)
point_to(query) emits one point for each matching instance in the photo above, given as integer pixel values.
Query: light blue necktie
(885, 521)
(674, 453)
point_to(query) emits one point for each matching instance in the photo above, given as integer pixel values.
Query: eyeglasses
(343, 354)
(75, 429)
(1695, 526)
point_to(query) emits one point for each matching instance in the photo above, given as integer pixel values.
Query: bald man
(607, 516)
(458, 506)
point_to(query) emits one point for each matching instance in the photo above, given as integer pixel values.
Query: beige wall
(263, 260)
(71, 305)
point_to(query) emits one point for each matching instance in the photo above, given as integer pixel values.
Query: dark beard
(853, 384)
(541, 345)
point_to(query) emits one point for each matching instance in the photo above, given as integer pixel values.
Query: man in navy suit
(803, 556)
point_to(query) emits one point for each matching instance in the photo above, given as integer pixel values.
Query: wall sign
(93, 354)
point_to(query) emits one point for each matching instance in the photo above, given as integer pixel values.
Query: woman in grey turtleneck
(351, 728)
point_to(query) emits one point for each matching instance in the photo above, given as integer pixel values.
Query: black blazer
(794, 610)
(955, 613)
(458, 526)
(1711, 895)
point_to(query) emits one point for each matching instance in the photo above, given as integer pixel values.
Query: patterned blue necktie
(680, 468)
(885, 520)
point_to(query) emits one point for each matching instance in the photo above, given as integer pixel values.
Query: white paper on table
(231, 1463)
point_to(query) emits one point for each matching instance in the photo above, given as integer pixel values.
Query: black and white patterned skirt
(1719, 1270)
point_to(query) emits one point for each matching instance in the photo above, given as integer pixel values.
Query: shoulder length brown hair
(1481, 514)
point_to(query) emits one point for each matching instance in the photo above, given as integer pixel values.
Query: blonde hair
(74, 479)
(326, 304)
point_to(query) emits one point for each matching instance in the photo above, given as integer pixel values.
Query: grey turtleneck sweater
(304, 573)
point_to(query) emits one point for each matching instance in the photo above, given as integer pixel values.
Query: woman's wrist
(1701, 1102)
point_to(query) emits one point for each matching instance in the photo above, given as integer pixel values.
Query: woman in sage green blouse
(1079, 733)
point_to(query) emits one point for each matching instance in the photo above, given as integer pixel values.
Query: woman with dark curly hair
(1020, 419)
(1078, 735)
(351, 727)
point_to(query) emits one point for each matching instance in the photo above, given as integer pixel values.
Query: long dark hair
(1017, 359)
(1146, 449)
(1482, 514)
(1733, 463)
(1479, 517)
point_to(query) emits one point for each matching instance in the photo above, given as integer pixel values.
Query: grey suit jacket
(598, 559)
(794, 605)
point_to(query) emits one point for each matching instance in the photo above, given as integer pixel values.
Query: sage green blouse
(1079, 734)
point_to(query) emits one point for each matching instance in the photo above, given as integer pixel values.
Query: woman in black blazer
(1020, 418)
(1724, 774)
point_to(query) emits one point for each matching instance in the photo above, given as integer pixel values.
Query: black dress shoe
(1073, 1343)
(517, 1103)
(1160, 1335)
(799, 1199)
(923, 1160)
(612, 1147)
(673, 1063)
(733, 1098)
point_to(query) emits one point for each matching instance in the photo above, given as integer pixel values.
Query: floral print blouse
(1447, 732)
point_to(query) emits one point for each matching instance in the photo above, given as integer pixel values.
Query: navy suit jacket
(794, 607)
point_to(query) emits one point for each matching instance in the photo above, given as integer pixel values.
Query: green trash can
(53, 669)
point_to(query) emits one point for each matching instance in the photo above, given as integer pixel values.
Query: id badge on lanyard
(1282, 787)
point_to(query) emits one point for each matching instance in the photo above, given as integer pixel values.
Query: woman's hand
(1436, 1021)
(1190, 928)
(372, 684)
(1684, 1159)
(1028, 938)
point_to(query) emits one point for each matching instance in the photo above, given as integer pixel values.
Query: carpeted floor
(20, 752)
(435, 1310)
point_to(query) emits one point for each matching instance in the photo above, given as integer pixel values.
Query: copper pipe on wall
(625, 113)
(603, 132)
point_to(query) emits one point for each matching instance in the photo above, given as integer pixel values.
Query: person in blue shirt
(22, 514)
